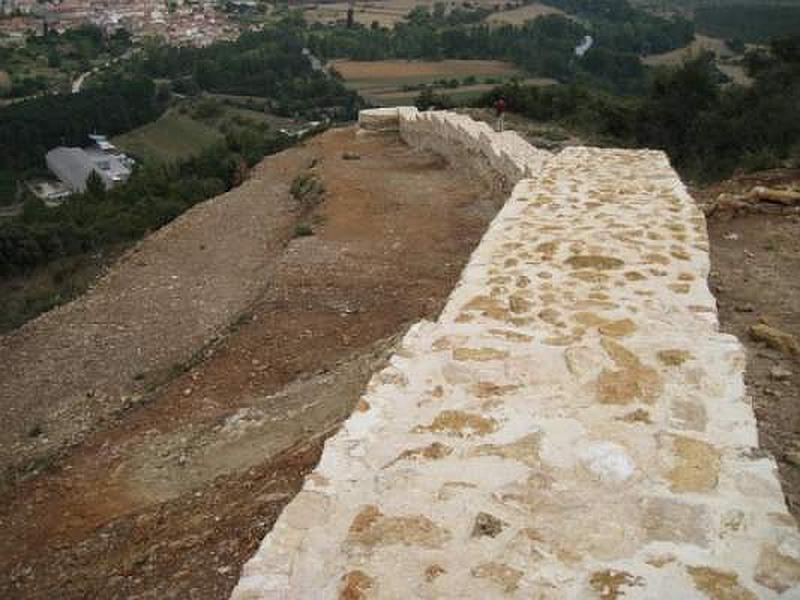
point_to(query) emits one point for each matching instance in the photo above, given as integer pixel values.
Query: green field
(460, 95)
(392, 82)
(172, 137)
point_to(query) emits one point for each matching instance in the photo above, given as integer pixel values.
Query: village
(177, 22)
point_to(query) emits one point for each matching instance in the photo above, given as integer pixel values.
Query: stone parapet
(504, 157)
(573, 425)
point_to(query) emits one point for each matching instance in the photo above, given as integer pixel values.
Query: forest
(542, 47)
(29, 129)
(49, 62)
(708, 130)
(756, 23)
(267, 63)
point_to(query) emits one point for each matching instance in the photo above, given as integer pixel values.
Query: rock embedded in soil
(775, 338)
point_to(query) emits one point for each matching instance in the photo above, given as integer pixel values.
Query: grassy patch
(172, 137)
(391, 82)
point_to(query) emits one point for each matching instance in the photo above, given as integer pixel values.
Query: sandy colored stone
(503, 575)
(597, 262)
(434, 451)
(658, 259)
(547, 249)
(549, 315)
(719, 585)
(668, 520)
(433, 571)
(630, 382)
(479, 354)
(673, 357)
(637, 416)
(697, 465)
(618, 328)
(589, 319)
(371, 528)
(487, 389)
(518, 304)
(488, 306)
(355, 585)
(590, 276)
(460, 423)
(525, 450)
(661, 560)
(610, 584)
(679, 288)
(512, 336)
(634, 276)
(777, 571)
(775, 338)
(680, 253)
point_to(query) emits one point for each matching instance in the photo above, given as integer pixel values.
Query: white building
(74, 165)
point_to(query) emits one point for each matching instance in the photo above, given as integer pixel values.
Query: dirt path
(169, 497)
(756, 277)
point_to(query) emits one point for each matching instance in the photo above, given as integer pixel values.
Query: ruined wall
(502, 158)
(573, 425)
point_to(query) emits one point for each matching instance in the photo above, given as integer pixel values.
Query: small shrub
(303, 230)
(207, 109)
(761, 160)
(307, 188)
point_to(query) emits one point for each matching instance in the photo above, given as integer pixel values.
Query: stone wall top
(573, 425)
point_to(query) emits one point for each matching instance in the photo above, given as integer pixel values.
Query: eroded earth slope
(205, 369)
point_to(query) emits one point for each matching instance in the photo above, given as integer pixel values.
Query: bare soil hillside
(240, 342)
(755, 276)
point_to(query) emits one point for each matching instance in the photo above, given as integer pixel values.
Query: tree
(95, 187)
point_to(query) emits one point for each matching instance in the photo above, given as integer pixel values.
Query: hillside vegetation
(185, 158)
(544, 47)
(708, 130)
(756, 23)
(172, 137)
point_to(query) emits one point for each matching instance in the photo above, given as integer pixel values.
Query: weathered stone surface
(719, 585)
(379, 119)
(372, 528)
(573, 425)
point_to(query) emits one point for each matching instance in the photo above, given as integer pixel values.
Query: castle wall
(573, 425)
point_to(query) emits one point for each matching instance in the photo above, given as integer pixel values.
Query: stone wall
(573, 425)
(504, 158)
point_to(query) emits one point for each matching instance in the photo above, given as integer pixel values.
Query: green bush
(307, 188)
(303, 230)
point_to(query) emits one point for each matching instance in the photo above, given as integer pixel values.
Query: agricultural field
(701, 43)
(459, 95)
(522, 14)
(387, 13)
(172, 137)
(727, 60)
(192, 125)
(389, 82)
